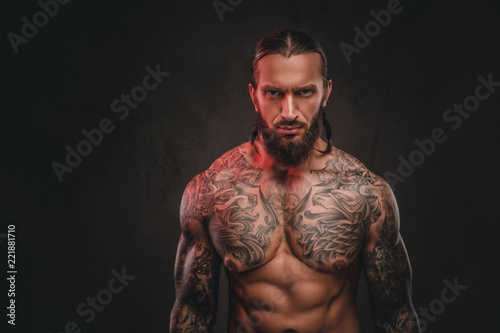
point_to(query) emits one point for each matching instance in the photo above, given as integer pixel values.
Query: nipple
(231, 266)
(339, 265)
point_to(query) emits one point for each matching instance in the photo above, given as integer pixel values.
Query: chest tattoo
(325, 215)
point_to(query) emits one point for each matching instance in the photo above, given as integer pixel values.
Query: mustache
(294, 123)
(260, 124)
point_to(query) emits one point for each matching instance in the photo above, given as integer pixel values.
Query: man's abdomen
(286, 294)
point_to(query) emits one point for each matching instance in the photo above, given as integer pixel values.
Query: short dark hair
(287, 42)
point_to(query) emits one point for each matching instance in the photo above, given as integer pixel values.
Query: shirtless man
(292, 218)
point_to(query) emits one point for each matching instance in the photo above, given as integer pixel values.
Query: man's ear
(328, 90)
(251, 91)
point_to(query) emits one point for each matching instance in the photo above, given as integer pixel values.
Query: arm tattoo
(196, 289)
(388, 276)
(197, 270)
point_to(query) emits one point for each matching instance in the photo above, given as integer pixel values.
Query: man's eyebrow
(308, 86)
(299, 87)
(269, 87)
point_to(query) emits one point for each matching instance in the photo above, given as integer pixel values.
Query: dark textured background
(119, 207)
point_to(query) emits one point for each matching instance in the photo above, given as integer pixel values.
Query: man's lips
(287, 130)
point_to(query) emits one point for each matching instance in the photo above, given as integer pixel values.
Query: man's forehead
(301, 69)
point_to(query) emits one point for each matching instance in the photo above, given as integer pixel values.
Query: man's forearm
(186, 318)
(403, 319)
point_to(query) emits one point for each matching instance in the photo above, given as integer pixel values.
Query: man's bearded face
(289, 97)
(289, 150)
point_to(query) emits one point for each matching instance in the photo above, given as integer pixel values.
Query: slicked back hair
(288, 42)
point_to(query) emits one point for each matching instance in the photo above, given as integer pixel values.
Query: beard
(289, 151)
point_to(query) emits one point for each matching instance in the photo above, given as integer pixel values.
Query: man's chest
(322, 221)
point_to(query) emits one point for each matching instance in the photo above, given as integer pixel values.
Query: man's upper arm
(196, 267)
(387, 268)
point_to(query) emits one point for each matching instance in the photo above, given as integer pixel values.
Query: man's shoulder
(343, 163)
(207, 182)
(231, 159)
(230, 164)
(341, 160)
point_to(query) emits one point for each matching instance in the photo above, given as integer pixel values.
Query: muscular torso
(290, 242)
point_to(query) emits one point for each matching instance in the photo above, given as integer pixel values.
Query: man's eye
(306, 92)
(272, 93)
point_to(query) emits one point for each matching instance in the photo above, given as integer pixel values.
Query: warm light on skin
(289, 89)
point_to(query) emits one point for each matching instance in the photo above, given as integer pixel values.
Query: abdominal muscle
(286, 295)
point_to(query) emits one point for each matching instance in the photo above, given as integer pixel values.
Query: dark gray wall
(119, 207)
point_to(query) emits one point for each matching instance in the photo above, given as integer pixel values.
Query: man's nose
(288, 108)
